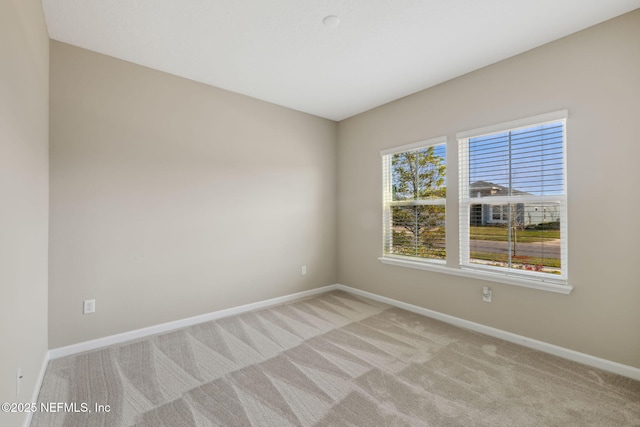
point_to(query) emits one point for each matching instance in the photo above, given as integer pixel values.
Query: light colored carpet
(332, 360)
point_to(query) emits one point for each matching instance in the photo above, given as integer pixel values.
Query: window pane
(414, 197)
(513, 200)
(497, 213)
(528, 239)
(522, 162)
(418, 231)
(419, 175)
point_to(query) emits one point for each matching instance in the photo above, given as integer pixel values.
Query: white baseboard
(37, 387)
(177, 324)
(586, 359)
(565, 353)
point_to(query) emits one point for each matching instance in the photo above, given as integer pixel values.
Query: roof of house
(495, 189)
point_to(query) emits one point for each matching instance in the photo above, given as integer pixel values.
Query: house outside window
(414, 198)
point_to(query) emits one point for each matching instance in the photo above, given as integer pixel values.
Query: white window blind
(513, 216)
(414, 197)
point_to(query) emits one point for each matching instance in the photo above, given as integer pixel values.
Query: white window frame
(466, 201)
(387, 202)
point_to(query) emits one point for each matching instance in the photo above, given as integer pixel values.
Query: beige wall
(24, 111)
(171, 199)
(595, 74)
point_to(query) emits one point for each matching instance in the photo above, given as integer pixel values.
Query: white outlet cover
(89, 306)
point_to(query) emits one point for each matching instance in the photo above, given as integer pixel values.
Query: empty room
(356, 213)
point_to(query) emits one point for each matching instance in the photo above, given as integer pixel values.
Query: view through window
(512, 200)
(414, 201)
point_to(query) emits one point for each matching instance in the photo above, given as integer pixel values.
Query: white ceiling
(280, 51)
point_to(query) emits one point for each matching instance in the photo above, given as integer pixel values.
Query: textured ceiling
(280, 51)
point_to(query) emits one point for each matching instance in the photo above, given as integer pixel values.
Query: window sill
(441, 267)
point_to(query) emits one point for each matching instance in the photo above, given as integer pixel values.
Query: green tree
(418, 228)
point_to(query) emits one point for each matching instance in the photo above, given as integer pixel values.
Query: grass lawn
(524, 236)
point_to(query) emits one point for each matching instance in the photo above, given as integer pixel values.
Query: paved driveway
(548, 249)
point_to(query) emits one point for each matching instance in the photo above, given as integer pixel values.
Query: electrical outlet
(304, 270)
(486, 294)
(18, 381)
(89, 306)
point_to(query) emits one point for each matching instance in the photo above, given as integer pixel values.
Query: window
(500, 213)
(513, 216)
(511, 203)
(414, 195)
